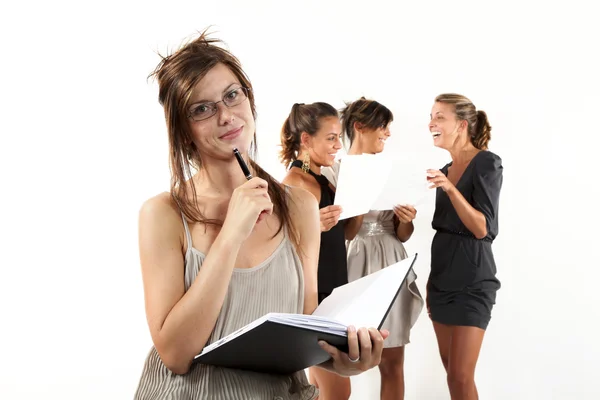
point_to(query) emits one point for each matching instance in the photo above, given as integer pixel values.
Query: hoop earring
(306, 163)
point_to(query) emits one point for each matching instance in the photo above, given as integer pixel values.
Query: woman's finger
(401, 211)
(331, 350)
(410, 209)
(377, 340)
(366, 346)
(353, 348)
(403, 215)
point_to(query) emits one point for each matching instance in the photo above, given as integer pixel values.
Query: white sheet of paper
(406, 185)
(364, 302)
(371, 172)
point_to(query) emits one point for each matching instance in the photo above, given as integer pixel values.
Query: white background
(84, 144)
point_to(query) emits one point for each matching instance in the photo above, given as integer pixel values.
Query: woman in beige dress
(375, 241)
(220, 250)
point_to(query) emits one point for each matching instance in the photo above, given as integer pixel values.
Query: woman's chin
(329, 162)
(326, 161)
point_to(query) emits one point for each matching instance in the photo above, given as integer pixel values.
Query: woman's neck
(462, 152)
(357, 148)
(220, 177)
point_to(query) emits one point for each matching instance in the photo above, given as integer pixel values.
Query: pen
(243, 165)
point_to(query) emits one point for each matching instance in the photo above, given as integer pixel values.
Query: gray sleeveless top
(275, 285)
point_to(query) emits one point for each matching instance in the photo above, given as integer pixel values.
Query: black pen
(243, 165)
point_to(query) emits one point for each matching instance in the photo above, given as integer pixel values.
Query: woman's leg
(464, 352)
(443, 333)
(459, 349)
(331, 385)
(392, 373)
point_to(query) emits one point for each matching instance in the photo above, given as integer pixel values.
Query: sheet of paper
(316, 323)
(406, 185)
(364, 302)
(361, 179)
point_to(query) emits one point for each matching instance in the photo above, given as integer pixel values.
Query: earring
(306, 163)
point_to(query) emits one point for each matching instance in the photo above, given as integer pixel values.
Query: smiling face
(325, 143)
(373, 140)
(445, 128)
(231, 126)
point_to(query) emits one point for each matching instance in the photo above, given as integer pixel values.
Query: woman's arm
(304, 212)
(329, 215)
(403, 217)
(353, 226)
(474, 220)
(404, 231)
(181, 321)
(487, 182)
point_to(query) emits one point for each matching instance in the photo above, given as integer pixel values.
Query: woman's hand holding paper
(405, 213)
(329, 217)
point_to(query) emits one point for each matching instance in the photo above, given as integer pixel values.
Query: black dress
(333, 270)
(462, 284)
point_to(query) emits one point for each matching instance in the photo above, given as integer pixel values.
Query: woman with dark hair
(462, 285)
(219, 251)
(376, 241)
(310, 140)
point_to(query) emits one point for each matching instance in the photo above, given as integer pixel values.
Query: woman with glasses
(310, 140)
(216, 237)
(376, 241)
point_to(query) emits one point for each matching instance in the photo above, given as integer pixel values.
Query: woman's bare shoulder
(161, 211)
(295, 178)
(302, 202)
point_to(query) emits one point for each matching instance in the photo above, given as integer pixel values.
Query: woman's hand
(405, 214)
(329, 217)
(437, 179)
(249, 204)
(361, 357)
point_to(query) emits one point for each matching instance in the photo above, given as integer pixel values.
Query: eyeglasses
(202, 111)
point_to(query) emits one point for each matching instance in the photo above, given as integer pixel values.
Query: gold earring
(306, 163)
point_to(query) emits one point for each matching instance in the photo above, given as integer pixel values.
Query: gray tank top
(275, 285)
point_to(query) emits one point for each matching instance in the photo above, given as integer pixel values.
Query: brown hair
(177, 75)
(302, 118)
(369, 113)
(479, 128)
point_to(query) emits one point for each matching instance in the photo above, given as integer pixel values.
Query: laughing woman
(462, 285)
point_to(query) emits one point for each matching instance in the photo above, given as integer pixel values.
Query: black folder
(280, 343)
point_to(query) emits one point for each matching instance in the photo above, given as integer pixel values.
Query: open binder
(284, 343)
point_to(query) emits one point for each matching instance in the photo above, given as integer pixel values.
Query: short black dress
(333, 270)
(462, 284)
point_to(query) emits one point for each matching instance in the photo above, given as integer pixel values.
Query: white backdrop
(83, 144)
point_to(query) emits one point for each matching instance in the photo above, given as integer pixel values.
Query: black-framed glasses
(202, 111)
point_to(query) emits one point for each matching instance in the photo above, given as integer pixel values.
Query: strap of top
(188, 235)
(286, 188)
